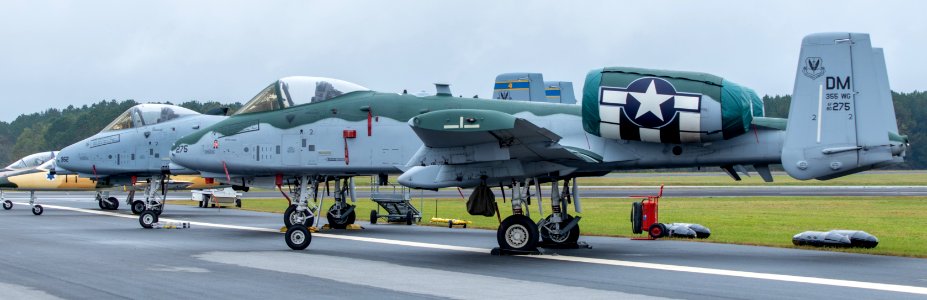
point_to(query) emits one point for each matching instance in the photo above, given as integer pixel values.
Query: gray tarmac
(76, 251)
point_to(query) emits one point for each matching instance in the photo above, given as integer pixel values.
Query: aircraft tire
(100, 203)
(571, 238)
(342, 223)
(637, 210)
(657, 230)
(138, 207)
(288, 217)
(373, 216)
(147, 219)
(298, 237)
(519, 233)
(7, 204)
(37, 210)
(113, 203)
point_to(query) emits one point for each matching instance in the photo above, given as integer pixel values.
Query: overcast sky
(56, 53)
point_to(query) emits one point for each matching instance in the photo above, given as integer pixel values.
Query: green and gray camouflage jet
(301, 131)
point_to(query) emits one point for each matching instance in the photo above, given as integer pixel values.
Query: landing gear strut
(7, 204)
(155, 195)
(298, 215)
(559, 229)
(36, 208)
(517, 233)
(106, 202)
(341, 214)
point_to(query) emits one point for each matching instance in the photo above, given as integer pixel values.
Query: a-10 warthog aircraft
(134, 147)
(303, 130)
(28, 176)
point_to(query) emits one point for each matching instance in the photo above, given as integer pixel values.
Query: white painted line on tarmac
(566, 258)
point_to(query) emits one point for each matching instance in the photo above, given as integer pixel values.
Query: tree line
(54, 129)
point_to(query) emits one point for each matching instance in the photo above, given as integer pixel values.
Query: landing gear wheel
(374, 216)
(519, 233)
(290, 217)
(100, 203)
(37, 210)
(157, 210)
(569, 238)
(138, 207)
(298, 237)
(637, 210)
(7, 204)
(147, 219)
(113, 203)
(657, 230)
(409, 218)
(343, 222)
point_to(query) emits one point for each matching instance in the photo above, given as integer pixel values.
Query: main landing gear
(106, 202)
(301, 213)
(155, 195)
(7, 204)
(518, 234)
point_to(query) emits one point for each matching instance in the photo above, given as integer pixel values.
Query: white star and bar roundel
(650, 109)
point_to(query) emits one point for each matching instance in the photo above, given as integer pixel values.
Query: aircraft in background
(135, 147)
(44, 178)
(532, 87)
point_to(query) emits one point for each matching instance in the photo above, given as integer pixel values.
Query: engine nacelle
(666, 106)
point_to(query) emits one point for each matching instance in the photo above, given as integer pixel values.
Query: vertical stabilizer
(841, 113)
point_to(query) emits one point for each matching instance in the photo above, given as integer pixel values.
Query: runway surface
(77, 251)
(588, 192)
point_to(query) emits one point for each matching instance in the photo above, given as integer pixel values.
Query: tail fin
(532, 87)
(841, 115)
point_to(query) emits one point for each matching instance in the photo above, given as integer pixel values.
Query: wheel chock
(283, 229)
(506, 252)
(313, 229)
(354, 227)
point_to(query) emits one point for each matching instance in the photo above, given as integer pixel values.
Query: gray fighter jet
(136, 145)
(302, 131)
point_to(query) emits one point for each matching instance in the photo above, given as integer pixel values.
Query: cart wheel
(657, 230)
(450, 223)
(138, 207)
(237, 202)
(37, 210)
(373, 216)
(113, 203)
(147, 219)
(409, 218)
(298, 237)
(637, 210)
(7, 204)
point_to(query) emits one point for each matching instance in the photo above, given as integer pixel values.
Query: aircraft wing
(461, 136)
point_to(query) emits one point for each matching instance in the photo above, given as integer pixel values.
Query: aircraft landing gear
(36, 208)
(138, 207)
(341, 214)
(147, 219)
(155, 195)
(559, 229)
(518, 233)
(299, 215)
(7, 204)
(106, 202)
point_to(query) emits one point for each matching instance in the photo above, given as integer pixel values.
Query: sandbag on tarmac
(482, 202)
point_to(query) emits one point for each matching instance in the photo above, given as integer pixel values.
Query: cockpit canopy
(32, 160)
(298, 90)
(147, 114)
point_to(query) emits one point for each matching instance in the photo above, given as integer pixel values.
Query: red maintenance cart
(645, 214)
